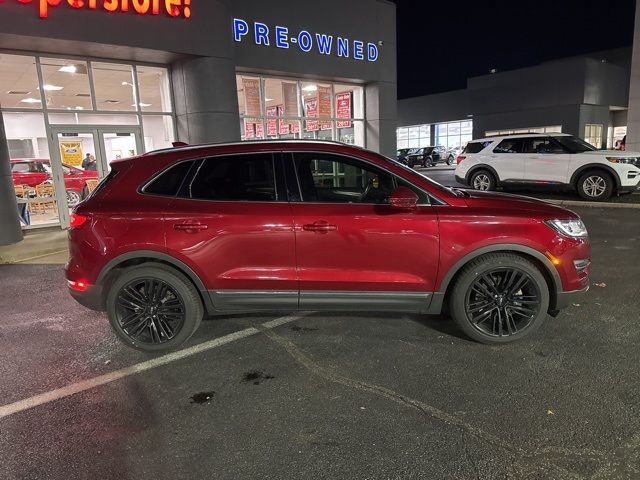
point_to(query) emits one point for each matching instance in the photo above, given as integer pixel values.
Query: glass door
(82, 157)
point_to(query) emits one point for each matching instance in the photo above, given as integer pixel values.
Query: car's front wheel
(595, 185)
(152, 307)
(73, 198)
(499, 298)
(483, 180)
(450, 160)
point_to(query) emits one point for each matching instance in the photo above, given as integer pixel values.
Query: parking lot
(324, 396)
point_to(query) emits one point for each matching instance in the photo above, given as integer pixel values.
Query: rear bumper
(91, 298)
(564, 299)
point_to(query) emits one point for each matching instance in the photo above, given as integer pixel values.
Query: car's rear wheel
(595, 185)
(483, 180)
(450, 160)
(152, 307)
(499, 298)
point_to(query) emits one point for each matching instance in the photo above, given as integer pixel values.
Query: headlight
(570, 228)
(621, 160)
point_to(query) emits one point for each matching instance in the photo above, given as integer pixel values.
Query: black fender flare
(550, 270)
(162, 257)
(596, 166)
(482, 166)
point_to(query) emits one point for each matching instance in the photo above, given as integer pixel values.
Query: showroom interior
(82, 87)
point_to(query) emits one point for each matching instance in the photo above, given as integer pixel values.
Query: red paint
(172, 8)
(311, 246)
(78, 286)
(77, 220)
(75, 179)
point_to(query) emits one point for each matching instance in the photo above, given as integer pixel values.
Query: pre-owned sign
(172, 8)
(306, 41)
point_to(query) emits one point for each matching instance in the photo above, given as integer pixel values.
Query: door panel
(547, 161)
(509, 160)
(369, 248)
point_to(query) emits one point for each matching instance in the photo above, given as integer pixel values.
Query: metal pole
(10, 231)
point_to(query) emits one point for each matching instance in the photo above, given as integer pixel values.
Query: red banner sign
(172, 8)
(344, 102)
(272, 123)
(311, 111)
(251, 96)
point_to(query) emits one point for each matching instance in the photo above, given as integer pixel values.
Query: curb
(575, 203)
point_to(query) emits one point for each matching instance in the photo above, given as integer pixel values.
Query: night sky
(442, 42)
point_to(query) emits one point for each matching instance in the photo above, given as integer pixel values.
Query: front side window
(509, 145)
(335, 179)
(573, 144)
(20, 168)
(249, 178)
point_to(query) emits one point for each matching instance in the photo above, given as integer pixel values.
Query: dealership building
(84, 82)
(586, 96)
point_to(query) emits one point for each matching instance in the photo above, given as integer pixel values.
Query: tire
(595, 185)
(504, 319)
(450, 160)
(181, 303)
(483, 180)
(73, 198)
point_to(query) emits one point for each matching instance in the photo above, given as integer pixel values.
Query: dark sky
(442, 42)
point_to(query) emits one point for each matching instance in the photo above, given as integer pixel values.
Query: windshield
(574, 145)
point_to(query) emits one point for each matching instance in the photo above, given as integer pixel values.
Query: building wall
(633, 126)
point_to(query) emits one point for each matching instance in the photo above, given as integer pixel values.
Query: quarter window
(248, 178)
(169, 182)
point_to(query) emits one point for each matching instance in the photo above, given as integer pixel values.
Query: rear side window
(20, 168)
(476, 147)
(239, 178)
(169, 182)
(510, 145)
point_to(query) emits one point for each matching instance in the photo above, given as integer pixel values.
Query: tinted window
(510, 145)
(544, 145)
(168, 183)
(476, 147)
(20, 167)
(335, 179)
(574, 145)
(236, 178)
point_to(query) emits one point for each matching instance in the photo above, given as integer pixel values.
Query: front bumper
(564, 299)
(461, 180)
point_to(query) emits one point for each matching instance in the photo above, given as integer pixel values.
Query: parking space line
(85, 385)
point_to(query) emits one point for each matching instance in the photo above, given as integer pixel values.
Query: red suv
(294, 225)
(34, 171)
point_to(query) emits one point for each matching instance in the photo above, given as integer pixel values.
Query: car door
(547, 160)
(508, 160)
(354, 251)
(232, 224)
(20, 173)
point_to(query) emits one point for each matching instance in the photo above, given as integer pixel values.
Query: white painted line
(84, 385)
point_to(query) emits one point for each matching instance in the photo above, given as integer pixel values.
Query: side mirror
(403, 198)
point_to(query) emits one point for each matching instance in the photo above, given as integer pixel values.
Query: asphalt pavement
(326, 396)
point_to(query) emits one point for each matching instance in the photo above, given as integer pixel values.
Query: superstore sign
(280, 36)
(171, 8)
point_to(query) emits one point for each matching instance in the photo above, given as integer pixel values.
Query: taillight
(77, 220)
(459, 159)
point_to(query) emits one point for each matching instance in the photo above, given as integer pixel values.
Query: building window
(416, 136)
(280, 108)
(593, 134)
(515, 131)
(454, 135)
(19, 87)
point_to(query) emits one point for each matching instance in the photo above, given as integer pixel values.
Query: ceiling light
(51, 88)
(18, 92)
(31, 100)
(68, 69)
(310, 88)
(79, 108)
(268, 99)
(143, 105)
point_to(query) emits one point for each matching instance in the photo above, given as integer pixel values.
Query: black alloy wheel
(150, 311)
(502, 302)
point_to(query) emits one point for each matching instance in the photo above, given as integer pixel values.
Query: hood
(519, 204)
(613, 153)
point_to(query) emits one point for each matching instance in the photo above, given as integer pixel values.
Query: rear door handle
(320, 226)
(190, 227)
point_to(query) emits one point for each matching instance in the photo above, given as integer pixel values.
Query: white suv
(548, 159)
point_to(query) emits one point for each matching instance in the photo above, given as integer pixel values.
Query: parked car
(34, 171)
(291, 225)
(452, 154)
(423, 157)
(402, 154)
(543, 159)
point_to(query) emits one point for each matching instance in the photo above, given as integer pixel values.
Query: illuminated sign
(281, 37)
(172, 8)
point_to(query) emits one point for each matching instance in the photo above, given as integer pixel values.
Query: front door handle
(320, 226)
(190, 227)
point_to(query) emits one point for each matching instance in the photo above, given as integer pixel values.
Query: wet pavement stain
(296, 328)
(256, 376)
(202, 398)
